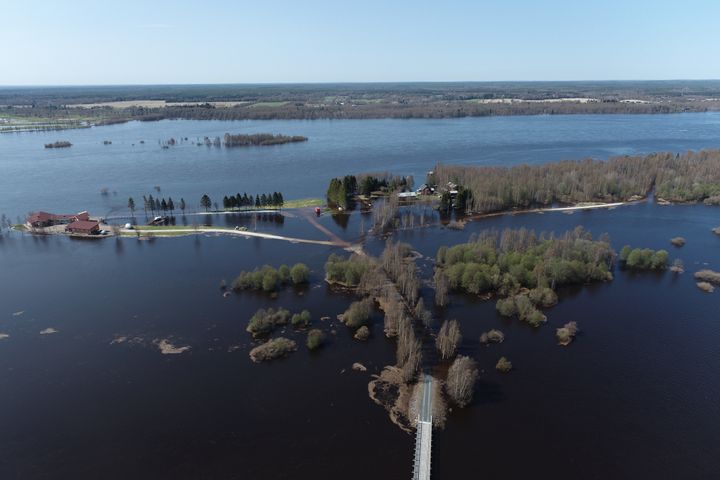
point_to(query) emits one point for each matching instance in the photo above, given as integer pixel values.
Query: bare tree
(462, 375)
(423, 314)
(448, 339)
(441, 288)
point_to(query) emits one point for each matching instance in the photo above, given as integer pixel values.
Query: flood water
(634, 396)
(35, 178)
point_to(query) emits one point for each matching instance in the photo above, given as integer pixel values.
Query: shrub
(708, 276)
(272, 349)
(543, 296)
(264, 278)
(461, 378)
(678, 266)
(705, 287)
(299, 273)
(506, 307)
(270, 281)
(505, 263)
(678, 241)
(265, 321)
(644, 259)
(503, 365)
(363, 333)
(566, 334)
(346, 271)
(301, 319)
(284, 273)
(448, 338)
(315, 338)
(493, 336)
(358, 313)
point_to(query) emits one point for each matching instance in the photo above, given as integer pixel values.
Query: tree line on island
(690, 177)
(232, 202)
(341, 190)
(260, 139)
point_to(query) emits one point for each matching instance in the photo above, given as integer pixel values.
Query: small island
(260, 139)
(59, 144)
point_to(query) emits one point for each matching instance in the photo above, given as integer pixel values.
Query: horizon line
(379, 82)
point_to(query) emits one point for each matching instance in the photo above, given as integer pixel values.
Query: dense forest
(260, 139)
(690, 177)
(341, 190)
(515, 259)
(381, 100)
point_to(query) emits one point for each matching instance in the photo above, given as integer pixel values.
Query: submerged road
(423, 436)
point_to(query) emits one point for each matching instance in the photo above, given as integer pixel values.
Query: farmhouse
(83, 227)
(45, 219)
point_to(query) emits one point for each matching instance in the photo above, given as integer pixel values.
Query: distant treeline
(260, 139)
(63, 144)
(238, 201)
(342, 189)
(691, 177)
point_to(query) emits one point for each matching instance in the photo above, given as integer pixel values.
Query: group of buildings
(77, 224)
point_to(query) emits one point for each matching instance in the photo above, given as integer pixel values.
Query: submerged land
(49, 108)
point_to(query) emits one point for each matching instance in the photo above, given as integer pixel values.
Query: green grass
(268, 104)
(303, 202)
(19, 227)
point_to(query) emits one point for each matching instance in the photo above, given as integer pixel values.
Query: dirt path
(311, 217)
(242, 233)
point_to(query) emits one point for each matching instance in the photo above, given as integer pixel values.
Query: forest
(378, 100)
(260, 139)
(688, 177)
(507, 262)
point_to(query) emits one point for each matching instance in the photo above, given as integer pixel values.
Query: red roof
(83, 225)
(44, 217)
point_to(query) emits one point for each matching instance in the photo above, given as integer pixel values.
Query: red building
(45, 219)
(83, 227)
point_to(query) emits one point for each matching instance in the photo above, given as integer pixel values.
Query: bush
(299, 273)
(493, 336)
(358, 313)
(363, 333)
(315, 338)
(284, 273)
(265, 321)
(346, 271)
(272, 349)
(505, 263)
(708, 276)
(503, 365)
(705, 287)
(643, 259)
(566, 334)
(270, 281)
(678, 241)
(461, 378)
(448, 339)
(264, 278)
(543, 296)
(506, 307)
(301, 319)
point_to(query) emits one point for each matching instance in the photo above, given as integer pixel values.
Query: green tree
(299, 273)
(205, 202)
(315, 338)
(182, 205)
(131, 206)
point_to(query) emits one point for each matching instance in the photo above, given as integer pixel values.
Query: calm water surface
(32, 177)
(635, 396)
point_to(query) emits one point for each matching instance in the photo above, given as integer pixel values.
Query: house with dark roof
(83, 227)
(45, 219)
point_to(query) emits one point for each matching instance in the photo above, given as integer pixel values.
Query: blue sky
(220, 41)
